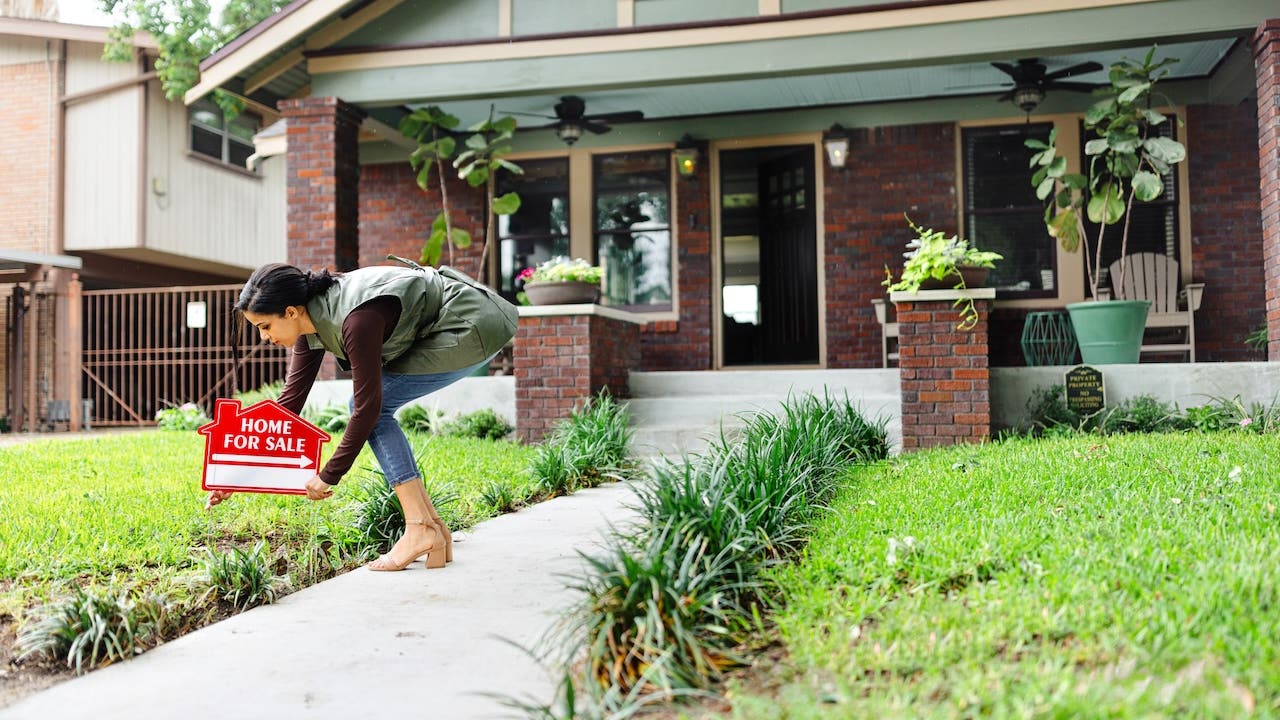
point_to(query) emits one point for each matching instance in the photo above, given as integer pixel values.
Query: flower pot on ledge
(562, 293)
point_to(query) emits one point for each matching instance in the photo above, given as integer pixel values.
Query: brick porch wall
(396, 216)
(1223, 187)
(1266, 59)
(891, 171)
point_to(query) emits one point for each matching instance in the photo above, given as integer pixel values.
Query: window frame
(225, 137)
(967, 213)
(1071, 275)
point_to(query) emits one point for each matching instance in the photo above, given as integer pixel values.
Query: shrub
(421, 419)
(95, 627)
(243, 579)
(333, 418)
(187, 416)
(503, 498)
(591, 446)
(483, 424)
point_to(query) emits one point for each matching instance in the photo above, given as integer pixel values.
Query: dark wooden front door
(788, 258)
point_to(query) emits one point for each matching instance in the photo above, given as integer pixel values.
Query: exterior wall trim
(738, 30)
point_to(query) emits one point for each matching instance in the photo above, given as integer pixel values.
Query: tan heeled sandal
(435, 557)
(448, 538)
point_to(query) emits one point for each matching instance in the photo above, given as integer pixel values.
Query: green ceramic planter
(1109, 332)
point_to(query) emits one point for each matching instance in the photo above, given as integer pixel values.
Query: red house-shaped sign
(262, 448)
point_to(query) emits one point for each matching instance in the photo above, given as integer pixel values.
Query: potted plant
(561, 281)
(1126, 160)
(937, 262)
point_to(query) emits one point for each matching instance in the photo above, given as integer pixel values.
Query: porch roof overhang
(21, 266)
(931, 49)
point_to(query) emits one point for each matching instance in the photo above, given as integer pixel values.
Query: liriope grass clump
(670, 598)
(95, 627)
(590, 447)
(241, 578)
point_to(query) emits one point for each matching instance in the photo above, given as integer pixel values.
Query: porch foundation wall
(564, 354)
(944, 371)
(1266, 60)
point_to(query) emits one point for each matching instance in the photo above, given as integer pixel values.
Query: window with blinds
(1002, 213)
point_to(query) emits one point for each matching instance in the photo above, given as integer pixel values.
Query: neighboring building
(110, 186)
(767, 255)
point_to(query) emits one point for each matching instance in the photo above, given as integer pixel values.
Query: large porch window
(539, 230)
(1002, 213)
(632, 228)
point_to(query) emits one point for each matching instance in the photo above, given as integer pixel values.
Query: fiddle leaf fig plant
(931, 255)
(1126, 160)
(483, 154)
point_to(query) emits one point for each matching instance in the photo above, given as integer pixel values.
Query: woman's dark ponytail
(274, 287)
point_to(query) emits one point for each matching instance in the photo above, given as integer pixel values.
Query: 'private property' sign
(262, 448)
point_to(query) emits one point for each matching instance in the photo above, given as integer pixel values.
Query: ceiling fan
(1030, 81)
(571, 119)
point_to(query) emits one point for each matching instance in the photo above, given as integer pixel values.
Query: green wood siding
(422, 21)
(536, 17)
(661, 12)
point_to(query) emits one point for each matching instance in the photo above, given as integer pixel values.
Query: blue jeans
(387, 440)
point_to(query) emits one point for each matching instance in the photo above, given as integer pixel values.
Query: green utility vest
(447, 320)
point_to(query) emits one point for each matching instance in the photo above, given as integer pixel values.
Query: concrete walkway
(417, 643)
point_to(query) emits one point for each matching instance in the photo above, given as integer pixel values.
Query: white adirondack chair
(888, 331)
(1154, 277)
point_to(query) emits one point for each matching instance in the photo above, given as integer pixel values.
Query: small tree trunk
(444, 201)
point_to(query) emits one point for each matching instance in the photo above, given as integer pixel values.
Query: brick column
(324, 177)
(565, 354)
(946, 398)
(1266, 60)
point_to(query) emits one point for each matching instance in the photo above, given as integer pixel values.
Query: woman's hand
(215, 497)
(318, 489)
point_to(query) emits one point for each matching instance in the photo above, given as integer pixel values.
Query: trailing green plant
(94, 627)
(931, 255)
(1127, 158)
(421, 419)
(484, 424)
(241, 578)
(667, 604)
(187, 416)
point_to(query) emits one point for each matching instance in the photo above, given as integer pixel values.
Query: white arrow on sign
(301, 461)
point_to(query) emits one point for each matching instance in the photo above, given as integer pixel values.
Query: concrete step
(857, 382)
(708, 411)
(673, 441)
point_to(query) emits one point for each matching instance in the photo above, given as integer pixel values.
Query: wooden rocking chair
(1154, 277)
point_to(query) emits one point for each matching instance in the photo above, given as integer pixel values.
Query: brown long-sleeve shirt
(363, 332)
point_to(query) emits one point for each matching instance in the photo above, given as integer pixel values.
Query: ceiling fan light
(1027, 98)
(569, 132)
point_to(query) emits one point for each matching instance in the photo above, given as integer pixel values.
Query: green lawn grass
(1128, 577)
(130, 507)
